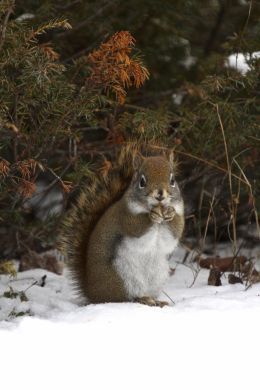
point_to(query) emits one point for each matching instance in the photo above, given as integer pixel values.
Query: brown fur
(96, 198)
(99, 267)
(102, 208)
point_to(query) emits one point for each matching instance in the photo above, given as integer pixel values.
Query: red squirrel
(121, 232)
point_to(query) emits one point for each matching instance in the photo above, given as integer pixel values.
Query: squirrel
(121, 232)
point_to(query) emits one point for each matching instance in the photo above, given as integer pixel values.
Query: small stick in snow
(168, 296)
(43, 281)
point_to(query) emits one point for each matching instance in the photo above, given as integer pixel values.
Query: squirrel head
(153, 184)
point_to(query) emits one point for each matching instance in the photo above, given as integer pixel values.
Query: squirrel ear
(137, 161)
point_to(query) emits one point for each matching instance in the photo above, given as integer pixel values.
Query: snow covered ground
(207, 339)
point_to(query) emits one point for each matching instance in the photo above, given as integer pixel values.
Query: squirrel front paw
(156, 215)
(168, 213)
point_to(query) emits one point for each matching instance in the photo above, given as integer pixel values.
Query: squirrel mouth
(153, 201)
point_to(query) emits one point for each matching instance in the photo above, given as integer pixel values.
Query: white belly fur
(143, 263)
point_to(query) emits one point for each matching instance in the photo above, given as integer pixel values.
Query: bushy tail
(97, 196)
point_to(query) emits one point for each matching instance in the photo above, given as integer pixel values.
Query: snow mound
(206, 339)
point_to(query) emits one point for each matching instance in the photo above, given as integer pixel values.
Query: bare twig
(210, 163)
(168, 296)
(200, 159)
(251, 195)
(243, 30)
(58, 178)
(233, 214)
(50, 186)
(195, 276)
(254, 138)
(4, 26)
(31, 285)
(207, 222)
(248, 16)
(194, 271)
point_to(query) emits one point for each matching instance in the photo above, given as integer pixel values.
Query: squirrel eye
(172, 181)
(142, 182)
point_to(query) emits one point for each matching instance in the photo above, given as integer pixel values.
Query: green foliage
(11, 294)
(146, 125)
(58, 122)
(14, 314)
(43, 103)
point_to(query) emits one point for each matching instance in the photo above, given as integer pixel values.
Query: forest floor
(207, 338)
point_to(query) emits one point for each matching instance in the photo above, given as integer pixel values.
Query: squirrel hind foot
(149, 301)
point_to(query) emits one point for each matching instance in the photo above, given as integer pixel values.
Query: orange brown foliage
(66, 185)
(50, 53)
(27, 168)
(113, 68)
(4, 167)
(26, 188)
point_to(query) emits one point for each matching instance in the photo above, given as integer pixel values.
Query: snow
(207, 339)
(24, 17)
(239, 61)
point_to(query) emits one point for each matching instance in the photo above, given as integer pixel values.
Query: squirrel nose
(160, 195)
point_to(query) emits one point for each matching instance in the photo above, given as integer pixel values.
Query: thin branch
(248, 16)
(211, 164)
(3, 30)
(245, 26)
(208, 219)
(168, 296)
(58, 178)
(195, 272)
(254, 138)
(233, 215)
(252, 197)
(202, 160)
